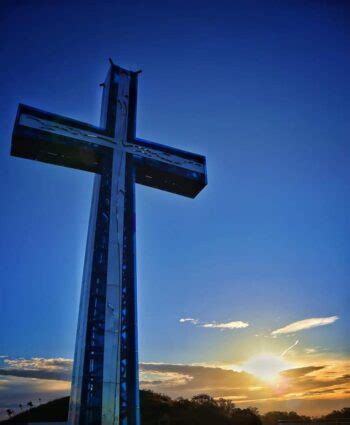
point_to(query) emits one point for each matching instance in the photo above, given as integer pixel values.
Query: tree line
(159, 409)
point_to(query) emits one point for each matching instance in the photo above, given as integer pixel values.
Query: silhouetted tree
(338, 414)
(226, 406)
(30, 404)
(203, 399)
(10, 412)
(272, 418)
(159, 409)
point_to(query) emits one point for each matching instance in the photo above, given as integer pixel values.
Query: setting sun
(266, 366)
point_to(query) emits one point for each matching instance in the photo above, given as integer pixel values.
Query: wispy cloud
(189, 320)
(39, 368)
(238, 324)
(226, 325)
(165, 379)
(299, 372)
(39, 363)
(290, 348)
(301, 325)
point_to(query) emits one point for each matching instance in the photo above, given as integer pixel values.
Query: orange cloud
(314, 388)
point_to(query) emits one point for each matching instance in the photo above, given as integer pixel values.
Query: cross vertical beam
(105, 387)
(106, 354)
(129, 365)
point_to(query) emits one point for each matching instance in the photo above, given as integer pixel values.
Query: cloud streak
(301, 325)
(238, 324)
(189, 320)
(290, 348)
(226, 325)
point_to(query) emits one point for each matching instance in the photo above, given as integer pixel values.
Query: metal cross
(105, 388)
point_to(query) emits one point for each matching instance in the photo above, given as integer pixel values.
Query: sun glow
(266, 366)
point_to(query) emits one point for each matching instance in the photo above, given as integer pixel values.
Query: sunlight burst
(266, 366)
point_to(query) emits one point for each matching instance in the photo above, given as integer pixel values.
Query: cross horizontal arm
(48, 137)
(59, 140)
(170, 169)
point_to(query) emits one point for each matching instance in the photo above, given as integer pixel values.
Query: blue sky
(261, 89)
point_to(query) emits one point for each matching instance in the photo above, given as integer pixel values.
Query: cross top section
(56, 139)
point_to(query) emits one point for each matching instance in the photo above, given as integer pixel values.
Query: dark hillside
(53, 411)
(156, 409)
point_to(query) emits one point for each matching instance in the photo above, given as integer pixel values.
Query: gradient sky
(259, 87)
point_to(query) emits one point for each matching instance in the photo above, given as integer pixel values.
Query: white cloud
(226, 325)
(37, 367)
(189, 320)
(150, 378)
(38, 363)
(305, 324)
(238, 324)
